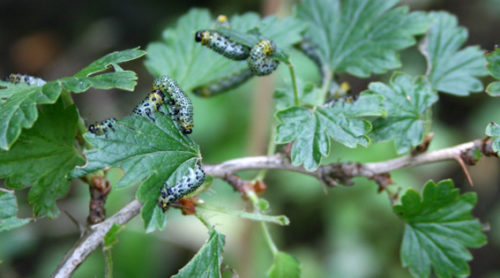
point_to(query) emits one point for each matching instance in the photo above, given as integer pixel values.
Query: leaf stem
(294, 83)
(108, 261)
(278, 219)
(203, 220)
(271, 148)
(327, 80)
(263, 226)
(80, 126)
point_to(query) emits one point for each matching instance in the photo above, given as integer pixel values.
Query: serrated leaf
(449, 69)
(311, 129)
(192, 64)
(8, 212)
(493, 130)
(149, 152)
(308, 95)
(493, 59)
(439, 227)
(109, 60)
(361, 36)
(406, 99)
(208, 260)
(43, 157)
(284, 266)
(18, 108)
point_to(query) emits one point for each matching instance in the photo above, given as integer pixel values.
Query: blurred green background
(349, 232)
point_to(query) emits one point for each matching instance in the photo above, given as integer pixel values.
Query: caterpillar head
(188, 129)
(202, 37)
(156, 97)
(268, 47)
(93, 128)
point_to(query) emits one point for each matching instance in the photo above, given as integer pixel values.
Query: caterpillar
(186, 185)
(224, 84)
(259, 61)
(150, 104)
(180, 103)
(24, 78)
(222, 45)
(102, 127)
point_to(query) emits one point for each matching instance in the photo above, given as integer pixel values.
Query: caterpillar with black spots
(187, 184)
(260, 60)
(152, 103)
(103, 127)
(24, 78)
(180, 103)
(222, 45)
(224, 84)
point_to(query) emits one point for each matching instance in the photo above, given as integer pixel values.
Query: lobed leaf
(493, 130)
(361, 37)
(493, 59)
(208, 260)
(284, 266)
(439, 227)
(8, 212)
(406, 99)
(449, 69)
(43, 158)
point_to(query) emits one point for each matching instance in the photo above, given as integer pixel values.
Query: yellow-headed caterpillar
(103, 127)
(27, 79)
(224, 84)
(150, 104)
(180, 103)
(222, 45)
(260, 60)
(186, 185)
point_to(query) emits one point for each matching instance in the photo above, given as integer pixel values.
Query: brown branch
(329, 174)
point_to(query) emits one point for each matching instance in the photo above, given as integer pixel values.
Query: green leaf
(207, 262)
(284, 266)
(493, 130)
(308, 95)
(493, 59)
(109, 60)
(439, 227)
(44, 157)
(110, 238)
(406, 99)
(181, 58)
(18, 108)
(311, 129)
(449, 69)
(361, 37)
(149, 152)
(8, 212)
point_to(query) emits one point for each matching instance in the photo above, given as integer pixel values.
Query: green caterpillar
(224, 84)
(103, 127)
(180, 103)
(222, 45)
(186, 185)
(260, 61)
(27, 79)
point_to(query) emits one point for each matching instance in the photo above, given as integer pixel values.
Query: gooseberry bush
(45, 143)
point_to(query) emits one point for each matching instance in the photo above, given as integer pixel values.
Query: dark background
(350, 232)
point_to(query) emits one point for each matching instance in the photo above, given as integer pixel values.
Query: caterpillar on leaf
(222, 45)
(224, 84)
(103, 127)
(187, 184)
(24, 78)
(150, 104)
(260, 60)
(180, 104)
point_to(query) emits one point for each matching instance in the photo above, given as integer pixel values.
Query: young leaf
(449, 69)
(8, 212)
(192, 65)
(310, 129)
(207, 262)
(44, 157)
(361, 37)
(18, 108)
(493, 59)
(104, 63)
(110, 238)
(493, 130)
(284, 266)
(439, 227)
(149, 152)
(406, 99)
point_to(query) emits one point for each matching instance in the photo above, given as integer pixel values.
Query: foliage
(493, 59)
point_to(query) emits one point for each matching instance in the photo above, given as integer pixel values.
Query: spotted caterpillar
(222, 45)
(186, 185)
(180, 103)
(224, 84)
(27, 79)
(102, 127)
(260, 61)
(150, 104)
